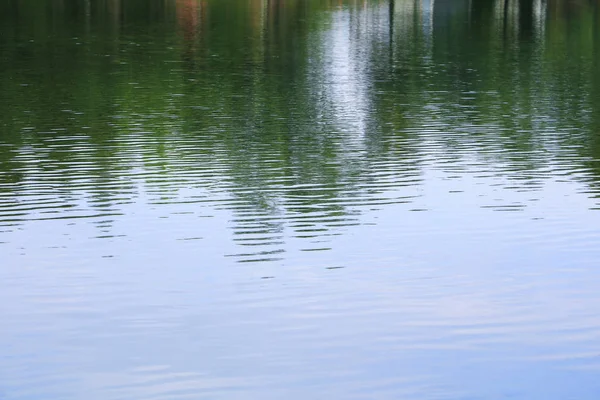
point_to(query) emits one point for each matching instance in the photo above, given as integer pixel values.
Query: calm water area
(299, 199)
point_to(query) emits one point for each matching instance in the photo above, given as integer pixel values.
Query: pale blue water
(303, 200)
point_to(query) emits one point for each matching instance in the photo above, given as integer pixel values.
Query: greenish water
(270, 199)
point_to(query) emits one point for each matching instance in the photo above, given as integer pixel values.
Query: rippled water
(301, 199)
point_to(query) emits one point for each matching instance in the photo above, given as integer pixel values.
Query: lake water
(267, 199)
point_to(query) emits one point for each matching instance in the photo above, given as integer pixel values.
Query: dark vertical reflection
(526, 19)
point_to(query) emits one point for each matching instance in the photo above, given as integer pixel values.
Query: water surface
(299, 199)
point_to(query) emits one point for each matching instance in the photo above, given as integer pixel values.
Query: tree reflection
(297, 106)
